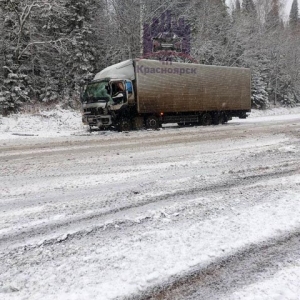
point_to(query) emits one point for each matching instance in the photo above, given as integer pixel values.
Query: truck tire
(152, 122)
(124, 125)
(206, 119)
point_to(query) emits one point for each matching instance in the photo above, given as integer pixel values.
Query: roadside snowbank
(57, 122)
(274, 112)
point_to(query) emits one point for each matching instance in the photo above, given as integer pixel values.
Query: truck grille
(94, 111)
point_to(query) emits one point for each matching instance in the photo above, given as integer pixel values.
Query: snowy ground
(180, 213)
(53, 123)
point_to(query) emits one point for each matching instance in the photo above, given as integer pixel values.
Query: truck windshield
(96, 91)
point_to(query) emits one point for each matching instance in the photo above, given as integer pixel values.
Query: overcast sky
(287, 5)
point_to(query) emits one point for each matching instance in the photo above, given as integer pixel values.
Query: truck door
(118, 92)
(129, 92)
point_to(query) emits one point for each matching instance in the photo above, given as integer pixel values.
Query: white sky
(287, 5)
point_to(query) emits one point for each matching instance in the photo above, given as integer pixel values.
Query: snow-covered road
(180, 213)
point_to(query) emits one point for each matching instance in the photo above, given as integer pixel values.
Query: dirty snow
(284, 285)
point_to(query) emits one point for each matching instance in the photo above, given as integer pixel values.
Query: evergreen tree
(48, 46)
(49, 49)
(81, 35)
(249, 7)
(16, 85)
(237, 6)
(2, 58)
(259, 96)
(236, 13)
(212, 23)
(272, 18)
(294, 15)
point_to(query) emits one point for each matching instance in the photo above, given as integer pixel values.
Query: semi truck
(142, 93)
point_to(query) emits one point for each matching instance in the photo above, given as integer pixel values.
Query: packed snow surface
(179, 213)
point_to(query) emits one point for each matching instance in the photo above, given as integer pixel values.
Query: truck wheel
(206, 119)
(124, 125)
(152, 122)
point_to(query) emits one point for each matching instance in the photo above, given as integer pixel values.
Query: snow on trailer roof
(125, 70)
(122, 70)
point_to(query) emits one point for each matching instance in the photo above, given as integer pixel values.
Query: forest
(49, 47)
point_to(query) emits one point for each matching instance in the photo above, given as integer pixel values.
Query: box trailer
(147, 93)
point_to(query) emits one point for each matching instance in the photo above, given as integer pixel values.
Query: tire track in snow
(238, 183)
(224, 276)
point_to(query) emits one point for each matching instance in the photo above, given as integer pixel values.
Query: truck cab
(109, 97)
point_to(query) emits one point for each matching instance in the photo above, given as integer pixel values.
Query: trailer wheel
(124, 125)
(206, 119)
(152, 122)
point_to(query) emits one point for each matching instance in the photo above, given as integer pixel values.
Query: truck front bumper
(98, 121)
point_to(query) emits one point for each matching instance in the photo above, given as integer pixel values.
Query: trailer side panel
(177, 87)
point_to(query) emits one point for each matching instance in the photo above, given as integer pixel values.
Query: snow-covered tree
(210, 23)
(48, 46)
(294, 20)
(237, 6)
(249, 7)
(272, 17)
(260, 99)
(80, 34)
(48, 49)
